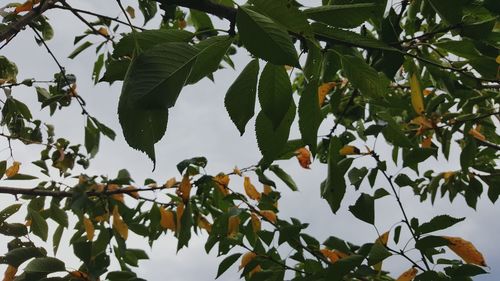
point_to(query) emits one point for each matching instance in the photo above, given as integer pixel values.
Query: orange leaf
(349, 150)
(10, 273)
(250, 189)
(267, 189)
(269, 215)
(12, 170)
(89, 228)
(167, 219)
(222, 182)
(323, 90)
(103, 31)
(256, 224)
(382, 239)
(79, 275)
(246, 259)
(330, 254)
(204, 224)
(447, 176)
(233, 226)
(426, 142)
(102, 218)
(26, 6)
(304, 157)
(256, 269)
(119, 225)
(237, 171)
(476, 134)
(408, 275)
(465, 250)
(184, 189)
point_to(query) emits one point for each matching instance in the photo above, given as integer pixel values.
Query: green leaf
(56, 238)
(202, 22)
(9, 211)
(92, 138)
(3, 167)
(226, 263)
(8, 70)
(23, 177)
(272, 141)
(429, 242)
(105, 130)
(211, 52)
(438, 223)
(346, 16)
(467, 155)
(448, 10)
(364, 208)
(185, 229)
(280, 173)
(340, 268)
(147, 39)
(13, 229)
(38, 226)
(195, 161)
(148, 9)
(335, 243)
(17, 256)
(59, 215)
(240, 97)
(349, 38)
(310, 116)
(357, 175)
(152, 85)
(377, 254)
(333, 189)
(80, 49)
(364, 77)
(275, 93)
(264, 38)
(285, 14)
(45, 265)
(115, 70)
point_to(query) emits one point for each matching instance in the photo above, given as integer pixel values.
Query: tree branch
(16, 26)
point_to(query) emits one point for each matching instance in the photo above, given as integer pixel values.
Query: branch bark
(16, 26)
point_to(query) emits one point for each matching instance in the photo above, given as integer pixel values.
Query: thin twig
(82, 19)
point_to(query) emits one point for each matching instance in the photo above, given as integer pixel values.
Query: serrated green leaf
(377, 254)
(364, 77)
(438, 223)
(240, 97)
(448, 10)
(148, 8)
(333, 189)
(17, 256)
(38, 226)
(275, 93)
(226, 263)
(264, 38)
(364, 208)
(80, 49)
(211, 52)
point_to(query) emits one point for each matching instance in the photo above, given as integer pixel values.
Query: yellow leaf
(465, 250)
(12, 170)
(269, 215)
(447, 176)
(130, 11)
(184, 189)
(119, 225)
(246, 259)
(267, 189)
(408, 275)
(237, 171)
(204, 224)
(10, 273)
(498, 59)
(349, 150)
(330, 255)
(476, 134)
(79, 275)
(417, 99)
(233, 226)
(222, 182)
(250, 189)
(304, 157)
(170, 183)
(323, 90)
(426, 142)
(382, 239)
(103, 31)
(26, 6)
(89, 228)
(256, 223)
(167, 219)
(180, 212)
(133, 194)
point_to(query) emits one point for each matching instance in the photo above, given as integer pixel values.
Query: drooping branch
(18, 25)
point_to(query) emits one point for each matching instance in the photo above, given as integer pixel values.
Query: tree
(421, 75)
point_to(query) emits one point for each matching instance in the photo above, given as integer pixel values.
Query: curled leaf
(465, 250)
(246, 259)
(256, 223)
(304, 157)
(408, 275)
(250, 189)
(170, 183)
(180, 212)
(167, 219)
(349, 150)
(233, 226)
(184, 189)
(417, 99)
(269, 215)
(323, 90)
(119, 225)
(10, 273)
(12, 170)
(222, 182)
(204, 224)
(89, 228)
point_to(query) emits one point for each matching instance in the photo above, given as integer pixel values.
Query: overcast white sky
(199, 125)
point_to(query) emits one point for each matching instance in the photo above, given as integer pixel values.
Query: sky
(199, 126)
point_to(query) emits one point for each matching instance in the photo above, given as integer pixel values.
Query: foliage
(423, 75)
